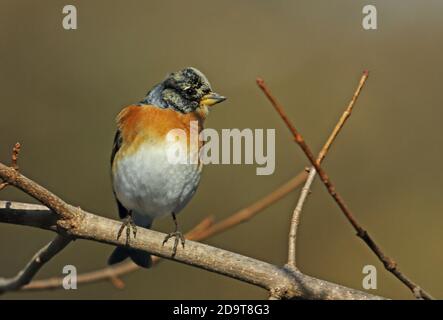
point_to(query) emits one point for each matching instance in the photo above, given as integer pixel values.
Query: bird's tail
(140, 258)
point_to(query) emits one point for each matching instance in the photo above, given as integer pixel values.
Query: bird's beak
(211, 98)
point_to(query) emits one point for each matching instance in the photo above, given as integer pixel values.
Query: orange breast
(141, 124)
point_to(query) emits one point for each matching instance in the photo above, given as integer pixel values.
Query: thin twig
(15, 152)
(34, 265)
(343, 118)
(388, 262)
(14, 163)
(117, 282)
(295, 220)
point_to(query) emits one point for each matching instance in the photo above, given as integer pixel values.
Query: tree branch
(78, 223)
(30, 270)
(295, 220)
(92, 227)
(206, 229)
(111, 273)
(388, 262)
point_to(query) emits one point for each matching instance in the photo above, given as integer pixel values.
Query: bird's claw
(177, 236)
(129, 224)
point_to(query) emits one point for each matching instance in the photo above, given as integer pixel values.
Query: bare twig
(117, 282)
(15, 152)
(14, 163)
(295, 220)
(343, 118)
(388, 262)
(33, 266)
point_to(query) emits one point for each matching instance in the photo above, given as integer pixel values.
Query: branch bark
(206, 229)
(287, 283)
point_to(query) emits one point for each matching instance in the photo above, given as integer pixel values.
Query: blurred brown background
(60, 91)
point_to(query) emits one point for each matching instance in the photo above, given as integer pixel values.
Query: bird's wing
(122, 211)
(116, 146)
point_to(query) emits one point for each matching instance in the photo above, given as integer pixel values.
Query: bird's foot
(177, 235)
(129, 224)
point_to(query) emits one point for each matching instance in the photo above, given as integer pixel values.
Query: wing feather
(122, 211)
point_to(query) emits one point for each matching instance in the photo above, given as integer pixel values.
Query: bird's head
(185, 91)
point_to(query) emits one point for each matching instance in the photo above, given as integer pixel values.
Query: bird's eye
(190, 91)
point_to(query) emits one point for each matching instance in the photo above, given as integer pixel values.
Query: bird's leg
(177, 235)
(129, 224)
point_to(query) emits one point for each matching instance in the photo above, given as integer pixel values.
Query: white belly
(148, 184)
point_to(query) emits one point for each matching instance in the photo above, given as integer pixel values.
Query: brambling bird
(146, 184)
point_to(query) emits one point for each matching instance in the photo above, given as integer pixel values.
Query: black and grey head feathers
(181, 90)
